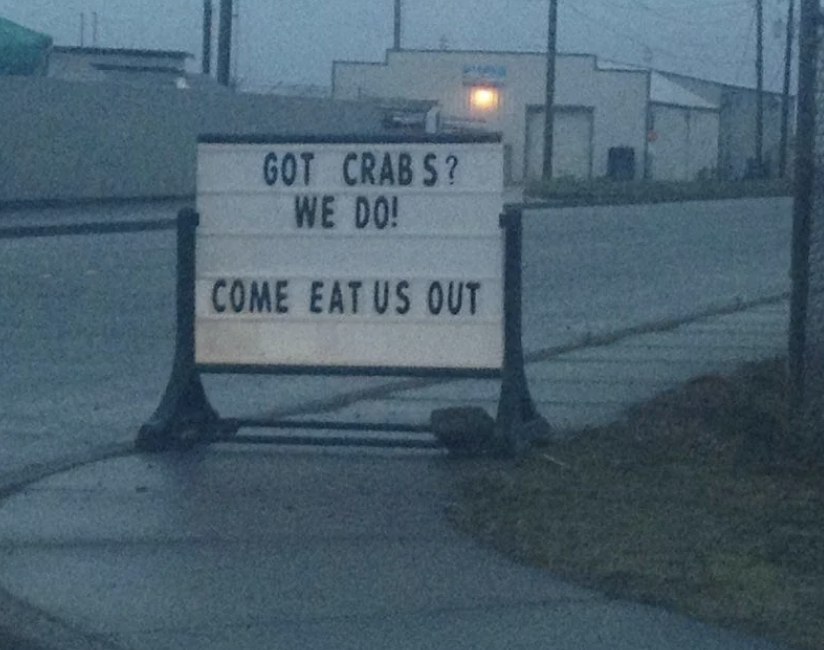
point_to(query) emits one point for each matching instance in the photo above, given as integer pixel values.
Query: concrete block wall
(64, 141)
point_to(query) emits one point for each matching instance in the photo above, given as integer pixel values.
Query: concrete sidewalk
(594, 383)
(241, 547)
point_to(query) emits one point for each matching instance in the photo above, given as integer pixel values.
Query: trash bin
(621, 163)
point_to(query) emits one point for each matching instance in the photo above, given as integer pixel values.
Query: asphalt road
(593, 270)
(87, 322)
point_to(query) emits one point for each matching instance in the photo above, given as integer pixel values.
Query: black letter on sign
(336, 301)
(259, 298)
(387, 173)
(362, 212)
(405, 176)
(455, 297)
(281, 296)
(237, 296)
(315, 297)
(347, 177)
(381, 302)
(381, 212)
(473, 287)
(327, 210)
(307, 157)
(355, 286)
(219, 307)
(305, 209)
(432, 178)
(400, 290)
(270, 168)
(368, 163)
(289, 169)
(435, 298)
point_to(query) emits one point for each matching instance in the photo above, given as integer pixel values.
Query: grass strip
(705, 500)
(602, 191)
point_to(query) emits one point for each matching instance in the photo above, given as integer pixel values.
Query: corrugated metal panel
(686, 143)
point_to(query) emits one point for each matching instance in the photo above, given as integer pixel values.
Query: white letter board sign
(368, 253)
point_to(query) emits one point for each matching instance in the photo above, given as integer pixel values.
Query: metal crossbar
(93, 228)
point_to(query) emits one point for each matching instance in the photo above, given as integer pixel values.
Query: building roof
(23, 51)
(112, 51)
(666, 91)
(682, 98)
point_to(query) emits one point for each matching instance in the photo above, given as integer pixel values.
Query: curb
(544, 354)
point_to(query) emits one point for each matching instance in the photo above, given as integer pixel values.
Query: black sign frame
(185, 417)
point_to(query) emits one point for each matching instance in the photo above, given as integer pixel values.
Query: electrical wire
(645, 43)
(674, 19)
(679, 19)
(744, 54)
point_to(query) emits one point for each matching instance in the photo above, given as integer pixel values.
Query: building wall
(79, 63)
(736, 139)
(686, 143)
(616, 98)
(572, 130)
(84, 141)
(737, 133)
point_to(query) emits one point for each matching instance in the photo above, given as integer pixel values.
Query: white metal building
(610, 120)
(683, 132)
(97, 64)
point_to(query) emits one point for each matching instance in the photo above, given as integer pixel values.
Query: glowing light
(483, 98)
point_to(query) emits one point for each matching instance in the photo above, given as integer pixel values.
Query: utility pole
(785, 98)
(804, 341)
(224, 43)
(759, 89)
(206, 58)
(397, 40)
(236, 42)
(549, 122)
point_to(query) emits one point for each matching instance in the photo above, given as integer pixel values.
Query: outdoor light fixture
(483, 98)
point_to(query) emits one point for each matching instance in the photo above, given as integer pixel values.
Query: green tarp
(22, 51)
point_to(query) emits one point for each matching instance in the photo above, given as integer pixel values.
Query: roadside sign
(365, 253)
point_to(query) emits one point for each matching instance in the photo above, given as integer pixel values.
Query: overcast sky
(295, 41)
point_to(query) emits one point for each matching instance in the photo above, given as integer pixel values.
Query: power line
(744, 54)
(673, 18)
(680, 20)
(703, 4)
(645, 43)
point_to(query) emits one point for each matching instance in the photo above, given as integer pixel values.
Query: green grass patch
(603, 191)
(702, 501)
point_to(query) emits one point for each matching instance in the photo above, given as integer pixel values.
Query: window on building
(484, 98)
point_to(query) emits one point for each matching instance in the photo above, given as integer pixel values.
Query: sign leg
(518, 422)
(184, 416)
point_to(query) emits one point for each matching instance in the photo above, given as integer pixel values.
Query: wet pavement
(87, 322)
(271, 546)
(239, 546)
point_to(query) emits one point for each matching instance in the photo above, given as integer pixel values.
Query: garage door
(572, 145)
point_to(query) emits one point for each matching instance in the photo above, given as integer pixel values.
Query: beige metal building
(610, 120)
